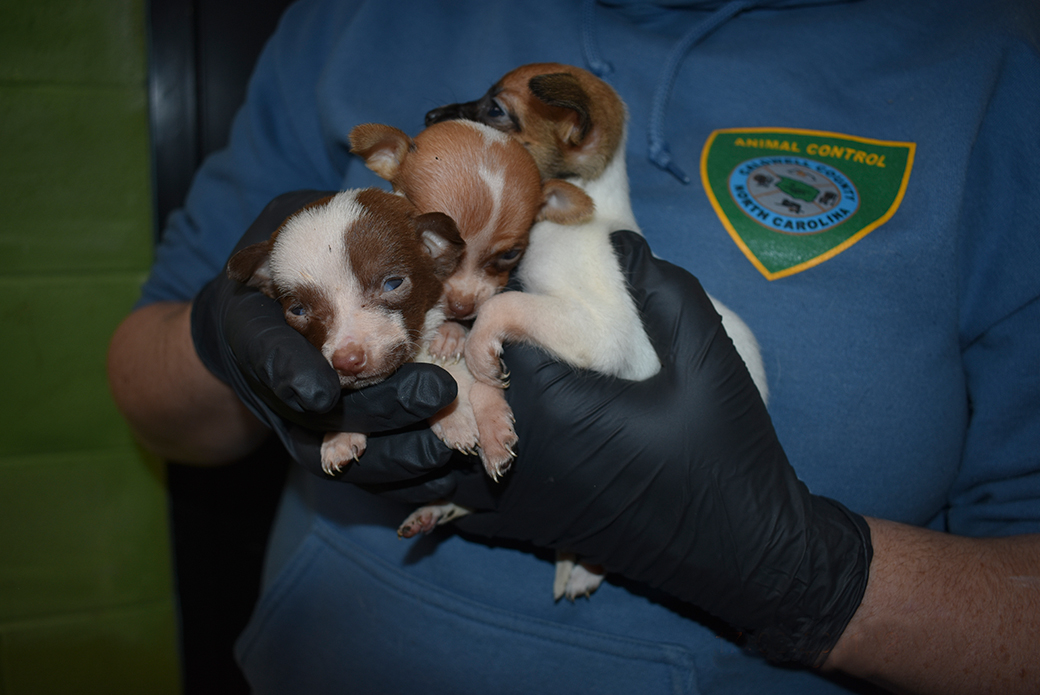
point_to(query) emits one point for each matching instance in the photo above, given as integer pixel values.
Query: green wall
(85, 585)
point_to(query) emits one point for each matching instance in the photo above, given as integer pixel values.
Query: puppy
(491, 187)
(485, 181)
(575, 303)
(574, 125)
(360, 275)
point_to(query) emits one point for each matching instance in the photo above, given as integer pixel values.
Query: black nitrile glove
(242, 337)
(679, 481)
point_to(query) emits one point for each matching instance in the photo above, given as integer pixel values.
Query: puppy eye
(297, 309)
(505, 261)
(495, 110)
(391, 284)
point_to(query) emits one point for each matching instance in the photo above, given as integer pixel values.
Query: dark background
(200, 54)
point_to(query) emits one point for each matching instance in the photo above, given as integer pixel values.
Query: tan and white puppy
(575, 303)
(360, 275)
(485, 181)
(573, 123)
(490, 186)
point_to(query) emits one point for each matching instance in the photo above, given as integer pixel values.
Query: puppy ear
(442, 240)
(252, 266)
(565, 203)
(563, 91)
(383, 147)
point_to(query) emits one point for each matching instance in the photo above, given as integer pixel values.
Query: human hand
(242, 337)
(678, 481)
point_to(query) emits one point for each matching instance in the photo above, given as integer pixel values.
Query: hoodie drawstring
(658, 151)
(596, 65)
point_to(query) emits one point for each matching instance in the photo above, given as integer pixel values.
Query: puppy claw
(496, 470)
(340, 450)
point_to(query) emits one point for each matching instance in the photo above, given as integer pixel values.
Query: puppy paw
(457, 428)
(498, 447)
(449, 342)
(494, 420)
(340, 449)
(484, 359)
(425, 519)
(573, 578)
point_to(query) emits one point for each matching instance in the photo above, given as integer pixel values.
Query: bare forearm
(946, 614)
(175, 406)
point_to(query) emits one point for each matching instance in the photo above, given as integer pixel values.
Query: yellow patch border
(812, 262)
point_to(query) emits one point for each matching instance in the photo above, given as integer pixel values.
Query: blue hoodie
(857, 180)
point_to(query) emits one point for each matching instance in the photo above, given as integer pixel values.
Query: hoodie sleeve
(276, 145)
(997, 491)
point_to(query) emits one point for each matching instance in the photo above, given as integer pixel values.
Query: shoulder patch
(791, 198)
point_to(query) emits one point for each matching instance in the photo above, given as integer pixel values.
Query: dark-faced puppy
(570, 121)
(360, 275)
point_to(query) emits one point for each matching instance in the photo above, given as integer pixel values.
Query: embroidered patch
(791, 198)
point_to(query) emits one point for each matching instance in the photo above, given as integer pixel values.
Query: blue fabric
(904, 371)
(347, 607)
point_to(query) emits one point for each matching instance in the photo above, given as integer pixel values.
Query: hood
(721, 11)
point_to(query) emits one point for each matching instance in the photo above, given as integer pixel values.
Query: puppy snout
(441, 113)
(460, 308)
(350, 359)
(451, 112)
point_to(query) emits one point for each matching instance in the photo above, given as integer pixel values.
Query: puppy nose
(460, 308)
(443, 113)
(350, 359)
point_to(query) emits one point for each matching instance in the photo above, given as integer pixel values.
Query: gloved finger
(437, 485)
(432, 487)
(286, 369)
(684, 326)
(484, 522)
(389, 457)
(554, 405)
(414, 393)
(677, 313)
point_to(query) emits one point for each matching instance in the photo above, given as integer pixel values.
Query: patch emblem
(791, 199)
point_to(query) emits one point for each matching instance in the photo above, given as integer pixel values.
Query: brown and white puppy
(360, 275)
(491, 187)
(575, 303)
(485, 181)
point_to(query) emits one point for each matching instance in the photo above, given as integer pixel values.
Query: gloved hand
(679, 481)
(242, 338)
